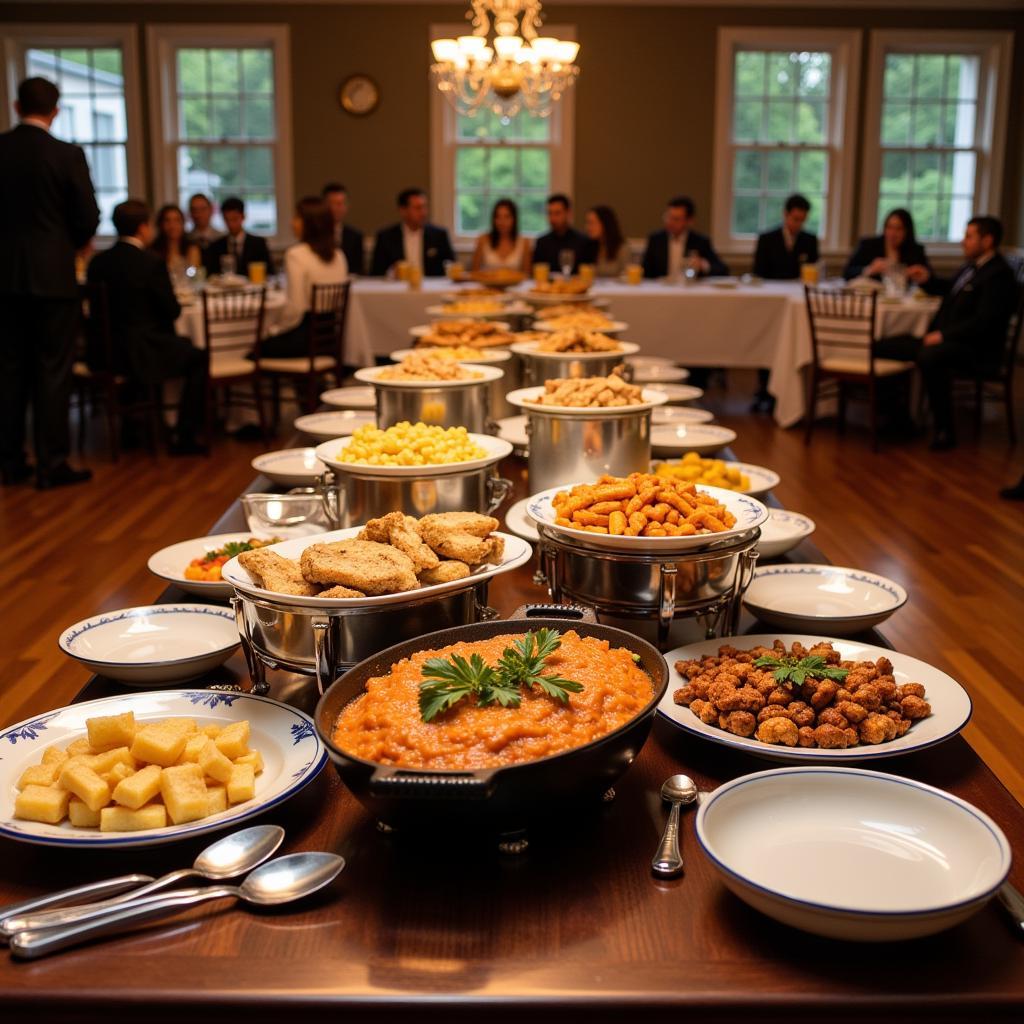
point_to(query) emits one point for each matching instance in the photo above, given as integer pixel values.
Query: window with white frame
(782, 119)
(935, 129)
(475, 161)
(221, 96)
(95, 69)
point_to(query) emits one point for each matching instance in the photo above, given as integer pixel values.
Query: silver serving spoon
(229, 857)
(278, 881)
(678, 789)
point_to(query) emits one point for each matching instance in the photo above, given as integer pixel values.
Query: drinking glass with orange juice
(634, 273)
(541, 272)
(809, 273)
(257, 272)
(586, 272)
(414, 275)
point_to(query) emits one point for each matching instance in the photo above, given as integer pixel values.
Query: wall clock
(359, 95)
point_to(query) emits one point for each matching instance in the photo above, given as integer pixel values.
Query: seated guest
(562, 236)
(968, 332)
(142, 310)
(315, 259)
(200, 212)
(502, 248)
(171, 242)
(677, 248)
(781, 253)
(237, 242)
(412, 239)
(896, 244)
(606, 247)
(346, 238)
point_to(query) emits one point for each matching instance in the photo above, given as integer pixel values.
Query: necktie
(965, 275)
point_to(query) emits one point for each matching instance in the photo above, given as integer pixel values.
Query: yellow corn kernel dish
(410, 444)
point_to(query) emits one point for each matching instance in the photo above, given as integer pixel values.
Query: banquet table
(436, 927)
(190, 322)
(727, 323)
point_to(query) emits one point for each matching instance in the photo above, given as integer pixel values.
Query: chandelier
(519, 70)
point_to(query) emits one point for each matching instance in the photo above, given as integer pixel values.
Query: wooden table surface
(439, 927)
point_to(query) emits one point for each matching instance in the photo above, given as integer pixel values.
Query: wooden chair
(842, 325)
(325, 336)
(99, 379)
(232, 329)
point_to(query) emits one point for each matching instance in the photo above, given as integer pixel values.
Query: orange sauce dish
(384, 725)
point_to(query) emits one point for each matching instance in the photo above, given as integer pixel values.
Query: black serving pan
(502, 799)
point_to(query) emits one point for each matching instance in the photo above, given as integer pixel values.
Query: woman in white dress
(503, 248)
(314, 260)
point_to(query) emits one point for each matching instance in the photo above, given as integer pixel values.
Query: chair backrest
(233, 320)
(842, 323)
(99, 338)
(325, 326)
(1008, 357)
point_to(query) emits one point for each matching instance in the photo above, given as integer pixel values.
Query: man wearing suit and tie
(677, 248)
(412, 239)
(47, 213)
(347, 239)
(968, 332)
(237, 242)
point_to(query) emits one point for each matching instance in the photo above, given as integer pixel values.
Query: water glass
(228, 265)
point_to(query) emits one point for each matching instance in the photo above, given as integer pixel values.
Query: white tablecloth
(757, 326)
(190, 323)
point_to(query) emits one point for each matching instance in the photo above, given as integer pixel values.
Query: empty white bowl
(336, 423)
(680, 414)
(702, 438)
(677, 393)
(827, 600)
(290, 467)
(852, 854)
(783, 531)
(157, 643)
(659, 373)
(350, 398)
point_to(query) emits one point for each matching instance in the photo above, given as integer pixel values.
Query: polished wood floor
(931, 521)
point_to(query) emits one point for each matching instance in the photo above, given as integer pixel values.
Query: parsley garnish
(446, 681)
(795, 670)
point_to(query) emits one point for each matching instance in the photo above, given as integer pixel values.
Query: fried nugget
(441, 532)
(340, 592)
(444, 572)
(274, 572)
(462, 522)
(402, 532)
(360, 564)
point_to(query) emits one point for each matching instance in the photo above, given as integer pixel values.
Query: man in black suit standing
(563, 236)
(412, 239)
(347, 239)
(237, 242)
(677, 248)
(968, 332)
(143, 309)
(47, 213)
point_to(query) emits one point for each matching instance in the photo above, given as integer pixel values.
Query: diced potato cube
(111, 731)
(81, 780)
(184, 792)
(188, 724)
(216, 799)
(161, 742)
(54, 755)
(42, 803)
(123, 819)
(105, 762)
(242, 785)
(79, 746)
(233, 740)
(213, 731)
(193, 748)
(255, 758)
(139, 788)
(39, 775)
(81, 816)
(214, 763)
(116, 774)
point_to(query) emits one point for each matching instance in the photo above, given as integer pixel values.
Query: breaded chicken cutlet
(463, 536)
(445, 572)
(402, 532)
(273, 572)
(360, 564)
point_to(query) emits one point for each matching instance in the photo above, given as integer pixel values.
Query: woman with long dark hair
(503, 248)
(171, 241)
(897, 244)
(313, 260)
(606, 248)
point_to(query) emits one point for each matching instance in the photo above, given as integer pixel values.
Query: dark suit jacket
(254, 250)
(656, 254)
(352, 247)
(976, 316)
(774, 262)
(549, 247)
(389, 249)
(47, 212)
(869, 249)
(140, 300)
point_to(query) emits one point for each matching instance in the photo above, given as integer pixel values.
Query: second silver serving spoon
(229, 857)
(678, 790)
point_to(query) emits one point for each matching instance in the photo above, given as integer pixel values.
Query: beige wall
(644, 103)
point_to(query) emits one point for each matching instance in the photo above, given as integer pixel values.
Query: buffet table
(430, 927)
(705, 324)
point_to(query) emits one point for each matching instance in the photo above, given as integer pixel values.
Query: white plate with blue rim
(850, 854)
(285, 737)
(827, 599)
(518, 522)
(783, 531)
(158, 643)
(290, 467)
(749, 512)
(950, 702)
